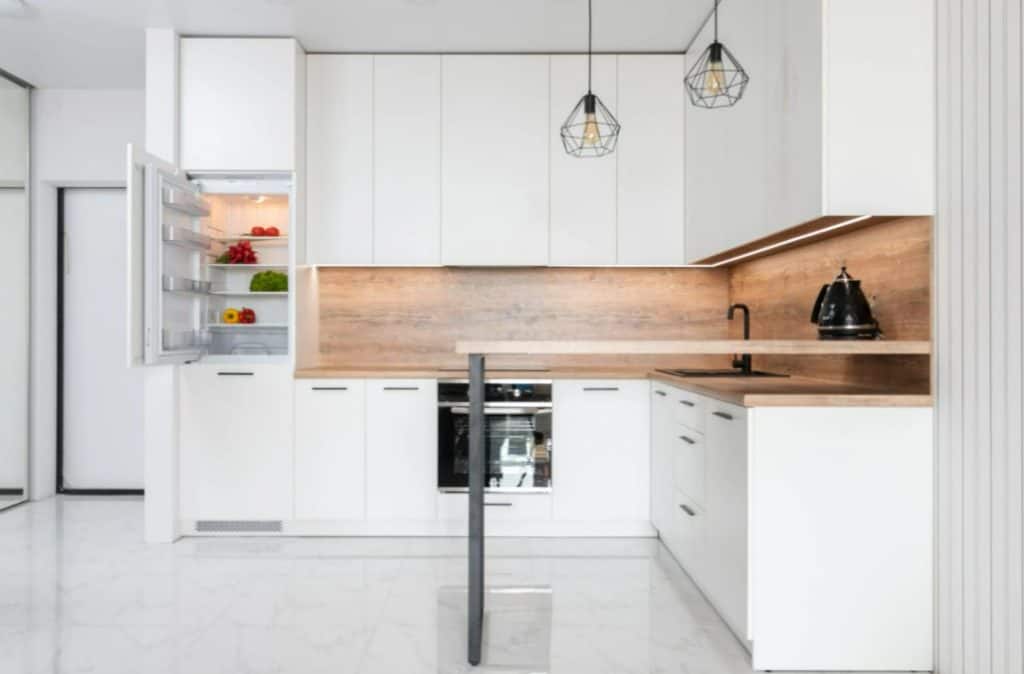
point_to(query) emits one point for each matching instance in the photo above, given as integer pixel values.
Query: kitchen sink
(721, 373)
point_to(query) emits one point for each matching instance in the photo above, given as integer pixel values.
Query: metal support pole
(477, 478)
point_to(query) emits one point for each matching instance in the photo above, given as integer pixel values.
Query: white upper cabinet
(241, 103)
(496, 137)
(583, 190)
(407, 160)
(652, 108)
(340, 159)
(829, 125)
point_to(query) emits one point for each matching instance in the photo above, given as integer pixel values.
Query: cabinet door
(582, 190)
(601, 453)
(339, 206)
(726, 496)
(494, 173)
(236, 442)
(652, 104)
(689, 538)
(688, 463)
(407, 160)
(661, 458)
(239, 103)
(401, 449)
(330, 449)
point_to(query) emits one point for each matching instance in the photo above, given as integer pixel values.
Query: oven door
(518, 441)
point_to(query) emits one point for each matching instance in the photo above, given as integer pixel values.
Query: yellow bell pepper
(230, 315)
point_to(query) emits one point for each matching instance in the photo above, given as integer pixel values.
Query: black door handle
(688, 510)
(723, 415)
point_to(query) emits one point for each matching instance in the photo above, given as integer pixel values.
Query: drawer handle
(498, 504)
(688, 403)
(600, 388)
(330, 388)
(688, 510)
(235, 374)
(401, 388)
(689, 441)
(723, 415)
(661, 393)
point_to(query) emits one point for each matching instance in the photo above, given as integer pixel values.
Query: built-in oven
(517, 435)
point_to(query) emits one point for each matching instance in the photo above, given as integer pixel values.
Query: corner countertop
(746, 392)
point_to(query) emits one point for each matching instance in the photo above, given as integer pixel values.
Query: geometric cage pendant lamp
(716, 80)
(591, 130)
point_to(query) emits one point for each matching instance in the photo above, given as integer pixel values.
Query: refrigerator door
(167, 251)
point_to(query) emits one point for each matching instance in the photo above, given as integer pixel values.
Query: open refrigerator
(189, 297)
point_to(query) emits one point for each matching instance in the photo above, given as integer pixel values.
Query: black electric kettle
(842, 311)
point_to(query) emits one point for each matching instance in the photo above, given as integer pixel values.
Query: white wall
(78, 138)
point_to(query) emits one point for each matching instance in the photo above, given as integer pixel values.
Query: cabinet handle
(723, 415)
(600, 388)
(498, 504)
(689, 441)
(235, 374)
(330, 388)
(688, 403)
(688, 510)
(401, 388)
(661, 393)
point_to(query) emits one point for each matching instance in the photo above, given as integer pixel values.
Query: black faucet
(744, 361)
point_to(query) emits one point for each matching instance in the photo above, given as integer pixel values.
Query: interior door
(167, 251)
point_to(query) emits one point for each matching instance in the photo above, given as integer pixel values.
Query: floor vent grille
(239, 526)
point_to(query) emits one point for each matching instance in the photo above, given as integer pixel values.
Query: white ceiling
(100, 43)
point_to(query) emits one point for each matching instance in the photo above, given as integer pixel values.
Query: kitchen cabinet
(725, 496)
(494, 159)
(401, 450)
(662, 488)
(340, 156)
(806, 140)
(236, 442)
(601, 455)
(407, 159)
(583, 191)
(241, 103)
(650, 211)
(330, 449)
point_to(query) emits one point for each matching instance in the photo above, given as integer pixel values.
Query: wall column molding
(978, 312)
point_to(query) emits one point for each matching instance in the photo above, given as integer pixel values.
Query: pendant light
(716, 80)
(591, 130)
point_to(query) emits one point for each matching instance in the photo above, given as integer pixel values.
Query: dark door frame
(61, 487)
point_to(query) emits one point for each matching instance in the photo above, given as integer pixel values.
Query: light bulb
(591, 132)
(714, 80)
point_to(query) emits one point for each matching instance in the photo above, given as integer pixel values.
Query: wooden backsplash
(893, 262)
(413, 316)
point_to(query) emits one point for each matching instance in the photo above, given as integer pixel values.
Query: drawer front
(498, 507)
(689, 409)
(688, 463)
(688, 542)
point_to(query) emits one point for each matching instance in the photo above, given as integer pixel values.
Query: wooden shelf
(807, 347)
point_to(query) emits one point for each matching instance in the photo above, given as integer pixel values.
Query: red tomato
(271, 231)
(246, 315)
(259, 231)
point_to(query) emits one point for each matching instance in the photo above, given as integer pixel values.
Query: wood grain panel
(413, 317)
(893, 261)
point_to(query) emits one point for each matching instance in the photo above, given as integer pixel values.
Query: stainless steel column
(477, 478)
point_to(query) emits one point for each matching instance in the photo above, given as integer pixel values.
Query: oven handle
(504, 411)
(496, 405)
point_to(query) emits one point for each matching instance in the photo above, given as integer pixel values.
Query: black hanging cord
(716, 20)
(590, 39)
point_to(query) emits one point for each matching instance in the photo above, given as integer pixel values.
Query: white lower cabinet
(662, 496)
(401, 450)
(236, 442)
(454, 507)
(601, 455)
(330, 449)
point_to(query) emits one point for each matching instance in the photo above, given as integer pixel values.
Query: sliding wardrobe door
(14, 292)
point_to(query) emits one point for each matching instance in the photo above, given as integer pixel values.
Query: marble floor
(80, 592)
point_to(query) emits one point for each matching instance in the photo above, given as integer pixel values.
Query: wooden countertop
(745, 391)
(702, 346)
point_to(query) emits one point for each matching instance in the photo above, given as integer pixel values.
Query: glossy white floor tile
(80, 592)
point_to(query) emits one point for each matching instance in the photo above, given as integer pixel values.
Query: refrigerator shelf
(261, 240)
(247, 267)
(186, 238)
(179, 284)
(184, 201)
(248, 326)
(184, 340)
(248, 293)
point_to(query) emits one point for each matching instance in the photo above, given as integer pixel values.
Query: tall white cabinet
(494, 160)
